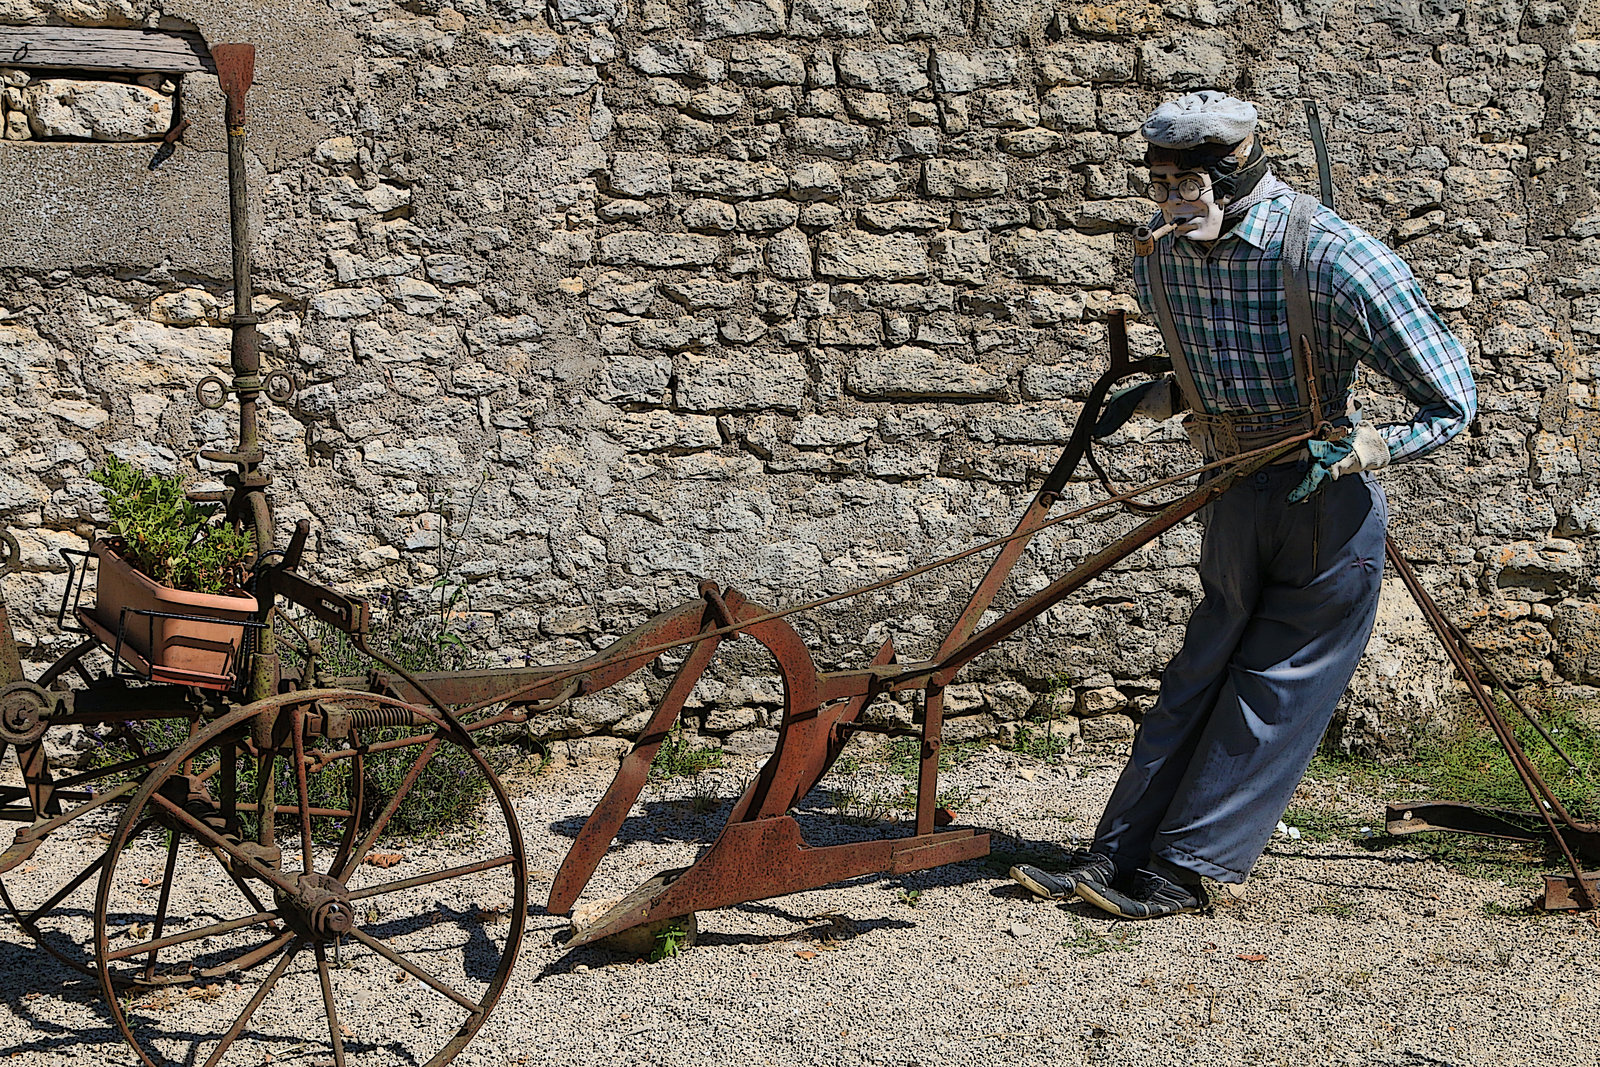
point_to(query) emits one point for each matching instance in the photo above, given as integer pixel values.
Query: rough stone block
(871, 108)
(1193, 59)
(916, 143)
(697, 294)
(850, 331)
(1009, 109)
(631, 379)
(990, 216)
(956, 72)
(728, 178)
(909, 215)
(919, 374)
(1084, 63)
(927, 19)
(640, 174)
(900, 70)
(1093, 703)
(635, 248)
(830, 18)
(590, 12)
(716, 102)
(738, 18)
(675, 335)
(789, 256)
(911, 297)
(1112, 727)
(754, 381)
(669, 59)
(709, 216)
(759, 65)
(964, 179)
(1118, 18)
(826, 431)
(1576, 626)
(767, 216)
(1068, 107)
(876, 181)
(96, 110)
(1029, 143)
(658, 431)
(891, 257)
(825, 137)
(962, 256)
(1059, 257)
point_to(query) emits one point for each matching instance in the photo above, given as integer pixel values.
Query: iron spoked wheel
(51, 866)
(353, 956)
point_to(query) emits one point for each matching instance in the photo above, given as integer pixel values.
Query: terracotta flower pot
(202, 649)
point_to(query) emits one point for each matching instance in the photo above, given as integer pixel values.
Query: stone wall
(794, 294)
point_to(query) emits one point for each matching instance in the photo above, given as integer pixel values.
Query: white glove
(1368, 452)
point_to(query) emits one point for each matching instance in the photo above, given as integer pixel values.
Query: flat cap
(1206, 117)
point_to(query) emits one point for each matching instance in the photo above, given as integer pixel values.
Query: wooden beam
(79, 48)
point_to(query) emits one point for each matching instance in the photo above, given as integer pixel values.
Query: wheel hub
(319, 907)
(24, 711)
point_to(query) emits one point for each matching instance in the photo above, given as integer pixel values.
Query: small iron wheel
(357, 948)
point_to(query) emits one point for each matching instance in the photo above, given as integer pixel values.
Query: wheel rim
(340, 949)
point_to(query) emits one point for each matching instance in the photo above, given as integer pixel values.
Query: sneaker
(1149, 896)
(1054, 885)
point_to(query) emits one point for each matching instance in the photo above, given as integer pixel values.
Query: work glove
(1362, 450)
(1154, 400)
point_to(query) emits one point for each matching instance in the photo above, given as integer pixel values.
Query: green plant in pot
(170, 592)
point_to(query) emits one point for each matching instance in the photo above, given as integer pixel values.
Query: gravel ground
(1331, 955)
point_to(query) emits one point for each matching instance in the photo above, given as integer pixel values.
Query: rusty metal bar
(1031, 608)
(1546, 804)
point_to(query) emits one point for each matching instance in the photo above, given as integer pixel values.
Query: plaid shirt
(1229, 309)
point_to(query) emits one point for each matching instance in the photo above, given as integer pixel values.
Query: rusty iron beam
(769, 858)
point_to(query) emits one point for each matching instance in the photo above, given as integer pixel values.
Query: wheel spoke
(173, 841)
(250, 1009)
(411, 968)
(84, 808)
(116, 768)
(66, 890)
(327, 1000)
(249, 959)
(297, 727)
(156, 944)
(436, 876)
(217, 841)
(389, 809)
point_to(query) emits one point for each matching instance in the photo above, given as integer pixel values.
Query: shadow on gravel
(828, 928)
(32, 987)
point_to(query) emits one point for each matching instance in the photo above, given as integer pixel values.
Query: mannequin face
(1202, 217)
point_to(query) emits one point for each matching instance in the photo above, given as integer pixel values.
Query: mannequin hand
(1154, 400)
(1363, 450)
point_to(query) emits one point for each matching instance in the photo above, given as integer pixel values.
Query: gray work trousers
(1291, 591)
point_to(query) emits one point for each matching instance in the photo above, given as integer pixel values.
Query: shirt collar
(1254, 228)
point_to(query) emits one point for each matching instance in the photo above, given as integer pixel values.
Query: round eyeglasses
(1189, 190)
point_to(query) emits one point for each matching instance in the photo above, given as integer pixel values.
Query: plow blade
(768, 858)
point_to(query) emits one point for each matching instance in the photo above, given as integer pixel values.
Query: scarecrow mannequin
(1292, 558)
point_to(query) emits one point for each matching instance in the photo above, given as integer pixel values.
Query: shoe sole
(1087, 891)
(1019, 876)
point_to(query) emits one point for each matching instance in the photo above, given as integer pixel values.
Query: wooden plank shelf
(82, 48)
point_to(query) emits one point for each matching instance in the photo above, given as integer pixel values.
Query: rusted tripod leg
(1546, 804)
(608, 816)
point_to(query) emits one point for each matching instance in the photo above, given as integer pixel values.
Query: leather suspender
(1169, 334)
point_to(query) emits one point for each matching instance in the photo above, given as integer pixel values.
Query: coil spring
(377, 718)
